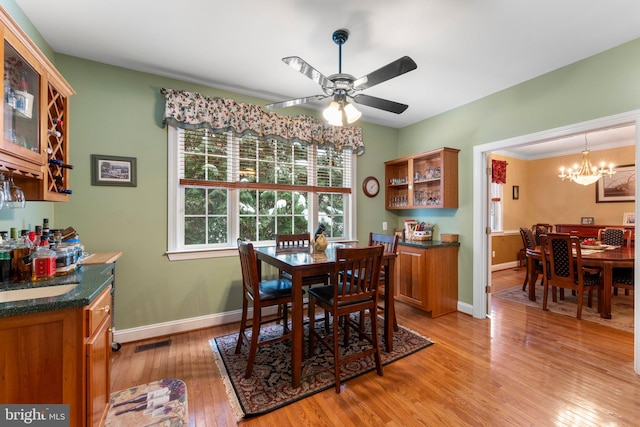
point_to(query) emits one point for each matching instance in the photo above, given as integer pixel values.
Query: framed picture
(629, 218)
(113, 170)
(619, 187)
(515, 192)
(588, 220)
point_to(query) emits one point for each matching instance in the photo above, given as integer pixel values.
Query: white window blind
(223, 187)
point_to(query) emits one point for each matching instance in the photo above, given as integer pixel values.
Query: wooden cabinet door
(99, 373)
(98, 349)
(411, 287)
(441, 277)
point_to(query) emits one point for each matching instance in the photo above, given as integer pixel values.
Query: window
(495, 194)
(223, 187)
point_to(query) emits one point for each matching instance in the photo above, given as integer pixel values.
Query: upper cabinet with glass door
(34, 147)
(426, 180)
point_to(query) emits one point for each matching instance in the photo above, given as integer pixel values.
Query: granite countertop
(426, 244)
(91, 279)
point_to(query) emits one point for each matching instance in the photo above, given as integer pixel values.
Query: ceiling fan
(343, 87)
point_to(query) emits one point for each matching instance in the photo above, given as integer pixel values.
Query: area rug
(161, 403)
(269, 387)
(621, 306)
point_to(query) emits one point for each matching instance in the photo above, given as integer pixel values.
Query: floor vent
(145, 347)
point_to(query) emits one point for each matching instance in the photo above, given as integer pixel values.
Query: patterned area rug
(161, 403)
(269, 387)
(621, 306)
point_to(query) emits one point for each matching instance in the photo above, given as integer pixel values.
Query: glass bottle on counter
(43, 262)
(6, 260)
(22, 258)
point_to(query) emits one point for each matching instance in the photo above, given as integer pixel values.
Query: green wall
(599, 86)
(118, 112)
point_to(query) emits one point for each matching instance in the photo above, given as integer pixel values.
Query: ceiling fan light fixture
(333, 114)
(351, 112)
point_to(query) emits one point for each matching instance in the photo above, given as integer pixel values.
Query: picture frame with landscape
(113, 170)
(619, 187)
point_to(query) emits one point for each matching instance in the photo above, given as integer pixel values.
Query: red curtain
(499, 171)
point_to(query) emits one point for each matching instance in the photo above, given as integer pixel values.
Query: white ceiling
(465, 49)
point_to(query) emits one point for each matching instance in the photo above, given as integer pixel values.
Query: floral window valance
(191, 110)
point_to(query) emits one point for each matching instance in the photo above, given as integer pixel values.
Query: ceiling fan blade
(389, 71)
(296, 101)
(303, 67)
(382, 104)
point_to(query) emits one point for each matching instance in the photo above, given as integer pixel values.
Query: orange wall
(545, 198)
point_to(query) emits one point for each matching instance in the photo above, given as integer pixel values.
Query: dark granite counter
(91, 279)
(426, 244)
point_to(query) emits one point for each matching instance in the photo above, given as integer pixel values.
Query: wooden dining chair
(299, 242)
(349, 293)
(529, 242)
(540, 229)
(614, 236)
(565, 271)
(390, 244)
(623, 278)
(261, 294)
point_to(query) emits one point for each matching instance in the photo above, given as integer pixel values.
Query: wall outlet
(384, 225)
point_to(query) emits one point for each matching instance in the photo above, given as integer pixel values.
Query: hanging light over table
(585, 173)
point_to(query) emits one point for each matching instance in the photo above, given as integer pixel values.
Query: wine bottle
(60, 163)
(63, 190)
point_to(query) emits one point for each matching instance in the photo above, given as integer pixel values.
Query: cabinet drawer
(98, 310)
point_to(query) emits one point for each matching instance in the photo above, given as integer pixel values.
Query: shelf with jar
(425, 180)
(34, 118)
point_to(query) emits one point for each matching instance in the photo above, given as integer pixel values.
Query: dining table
(606, 259)
(300, 263)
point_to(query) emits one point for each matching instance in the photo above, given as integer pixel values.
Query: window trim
(175, 205)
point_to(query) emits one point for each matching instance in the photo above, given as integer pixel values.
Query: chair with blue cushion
(349, 292)
(299, 242)
(262, 294)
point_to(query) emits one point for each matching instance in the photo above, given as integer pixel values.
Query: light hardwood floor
(522, 367)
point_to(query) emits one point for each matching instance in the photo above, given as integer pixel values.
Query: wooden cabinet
(34, 119)
(60, 356)
(427, 277)
(590, 231)
(426, 180)
(98, 350)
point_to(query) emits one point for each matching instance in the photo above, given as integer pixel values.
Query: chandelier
(338, 108)
(586, 173)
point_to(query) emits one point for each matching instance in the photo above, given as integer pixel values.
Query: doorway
(481, 234)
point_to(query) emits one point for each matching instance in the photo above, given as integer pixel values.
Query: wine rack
(35, 127)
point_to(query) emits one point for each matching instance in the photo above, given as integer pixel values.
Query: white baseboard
(178, 326)
(201, 322)
(465, 308)
(504, 266)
